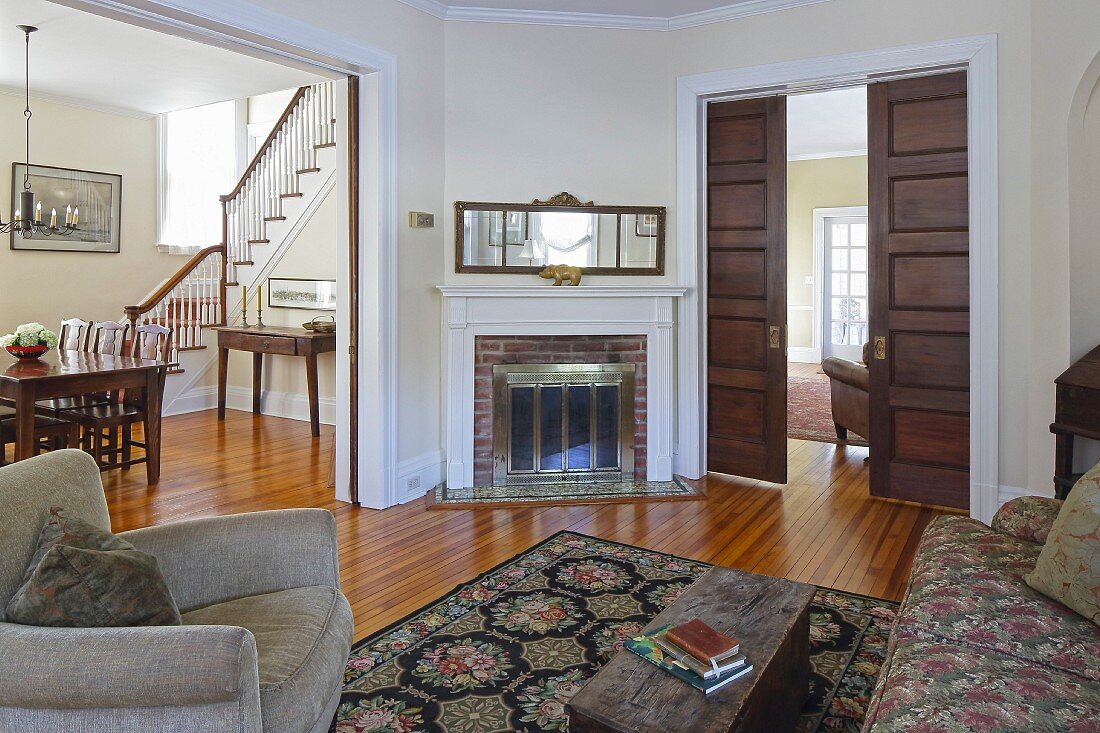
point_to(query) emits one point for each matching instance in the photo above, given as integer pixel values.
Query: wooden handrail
(149, 303)
(266, 143)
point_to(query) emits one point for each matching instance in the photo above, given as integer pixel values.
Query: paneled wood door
(747, 288)
(920, 295)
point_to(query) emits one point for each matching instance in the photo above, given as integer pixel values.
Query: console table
(262, 340)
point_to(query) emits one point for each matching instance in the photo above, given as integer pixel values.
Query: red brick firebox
(490, 350)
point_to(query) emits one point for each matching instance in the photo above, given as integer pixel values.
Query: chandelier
(28, 217)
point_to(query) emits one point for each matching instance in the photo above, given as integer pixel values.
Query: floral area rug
(810, 411)
(506, 651)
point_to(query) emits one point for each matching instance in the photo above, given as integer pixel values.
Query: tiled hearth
(533, 349)
(540, 324)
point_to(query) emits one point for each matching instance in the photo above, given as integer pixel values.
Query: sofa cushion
(937, 687)
(83, 576)
(303, 637)
(967, 588)
(1068, 569)
(1027, 517)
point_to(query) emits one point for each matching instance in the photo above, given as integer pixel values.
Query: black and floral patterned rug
(506, 651)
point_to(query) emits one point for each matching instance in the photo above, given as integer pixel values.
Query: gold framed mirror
(562, 230)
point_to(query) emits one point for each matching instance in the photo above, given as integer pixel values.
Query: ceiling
(84, 59)
(659, 15)
(827, 124)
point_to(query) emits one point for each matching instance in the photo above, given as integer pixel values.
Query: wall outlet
(421, 220)
(413, 483)
(809, 280)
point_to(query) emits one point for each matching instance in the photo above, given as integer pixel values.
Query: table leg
(223, 377)
(154, 395)
(311, 387)
(257, 380)
(24, 423)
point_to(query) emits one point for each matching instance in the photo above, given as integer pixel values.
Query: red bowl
(27, 352)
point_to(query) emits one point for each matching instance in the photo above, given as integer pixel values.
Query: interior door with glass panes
(845, 287)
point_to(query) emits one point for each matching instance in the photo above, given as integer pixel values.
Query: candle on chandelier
(38, 213)
(68, 216)
(17, 216)
(53, 219)
(76, 215)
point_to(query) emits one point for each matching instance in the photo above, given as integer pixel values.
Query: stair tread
(176, 370)
(290, 195)
(243, 262)
(308, 170)
(190, 348)
(259, 241)
(274, 218)
(318, 146)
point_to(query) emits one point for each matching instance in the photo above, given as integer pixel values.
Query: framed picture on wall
(98, 196)
(293, 292)
(645, 225)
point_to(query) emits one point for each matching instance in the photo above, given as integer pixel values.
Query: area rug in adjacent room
(506, 651)
(810, 411)
(563, 492)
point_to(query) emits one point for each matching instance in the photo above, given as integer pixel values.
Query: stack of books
(693, 652)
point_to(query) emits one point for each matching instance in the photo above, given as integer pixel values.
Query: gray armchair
(265, 635)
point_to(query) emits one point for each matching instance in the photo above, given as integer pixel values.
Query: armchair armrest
(207, 561)
(848, 372)
(1027, 517)
(123, 667)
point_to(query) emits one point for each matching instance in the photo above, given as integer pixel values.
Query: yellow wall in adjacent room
(48, 286)
(814, 184)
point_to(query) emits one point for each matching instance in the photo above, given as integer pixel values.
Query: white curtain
(200, 164)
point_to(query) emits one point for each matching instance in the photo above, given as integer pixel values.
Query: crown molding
(603, 20)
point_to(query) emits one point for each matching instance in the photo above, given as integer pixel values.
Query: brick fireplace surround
(490, 350)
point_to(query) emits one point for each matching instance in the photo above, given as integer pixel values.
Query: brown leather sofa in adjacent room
(849, 385)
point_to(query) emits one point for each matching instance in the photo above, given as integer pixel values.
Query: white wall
(49, 286)
(510, 112)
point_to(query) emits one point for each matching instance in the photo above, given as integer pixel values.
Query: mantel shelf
(563, 291)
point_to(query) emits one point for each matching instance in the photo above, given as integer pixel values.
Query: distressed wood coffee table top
(770, 616)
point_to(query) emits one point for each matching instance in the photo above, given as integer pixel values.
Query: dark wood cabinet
(1076, 414)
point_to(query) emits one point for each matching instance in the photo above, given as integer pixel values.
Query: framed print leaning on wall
(292, 292)
(97, 195)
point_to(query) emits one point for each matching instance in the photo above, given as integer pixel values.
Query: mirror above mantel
(520, 238)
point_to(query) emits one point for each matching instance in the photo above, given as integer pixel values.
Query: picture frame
(98, 195)
(301, 293)
(645, 225)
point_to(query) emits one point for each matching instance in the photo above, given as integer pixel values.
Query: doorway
(915, 257)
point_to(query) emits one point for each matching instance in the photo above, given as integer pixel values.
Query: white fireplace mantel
(470, 311)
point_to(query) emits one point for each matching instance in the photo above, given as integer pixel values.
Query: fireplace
(563, 422)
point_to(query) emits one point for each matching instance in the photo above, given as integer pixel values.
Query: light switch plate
(421, 220)
(809, 280)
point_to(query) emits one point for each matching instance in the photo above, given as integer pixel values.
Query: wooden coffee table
(770, 616)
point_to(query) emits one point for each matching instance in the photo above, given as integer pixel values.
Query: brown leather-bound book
(702, 642)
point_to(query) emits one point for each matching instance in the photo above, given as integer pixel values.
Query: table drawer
(261, 344)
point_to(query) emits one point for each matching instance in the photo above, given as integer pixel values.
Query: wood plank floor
(821, 528)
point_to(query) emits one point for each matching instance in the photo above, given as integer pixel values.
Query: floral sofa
(974, 648)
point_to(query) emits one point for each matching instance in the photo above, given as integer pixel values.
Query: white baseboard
(417, 475)
(277, 404)
(803, 355)
(1008, 493)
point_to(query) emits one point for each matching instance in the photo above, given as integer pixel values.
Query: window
(198, 163)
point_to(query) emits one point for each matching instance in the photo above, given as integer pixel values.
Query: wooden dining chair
(49, 433)
(109, 337)
(75, 335)
(104, 424)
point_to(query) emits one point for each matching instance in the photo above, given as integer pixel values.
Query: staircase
(258, 217)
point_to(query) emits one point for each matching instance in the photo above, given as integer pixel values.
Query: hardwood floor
(822, 528)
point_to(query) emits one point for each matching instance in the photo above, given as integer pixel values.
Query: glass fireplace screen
(563, 422)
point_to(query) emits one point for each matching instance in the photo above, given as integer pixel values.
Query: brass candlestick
(244, 306)
(260, 306)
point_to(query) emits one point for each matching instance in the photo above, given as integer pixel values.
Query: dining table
(65, 373)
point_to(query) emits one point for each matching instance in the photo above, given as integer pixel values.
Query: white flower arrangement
(30, 334)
